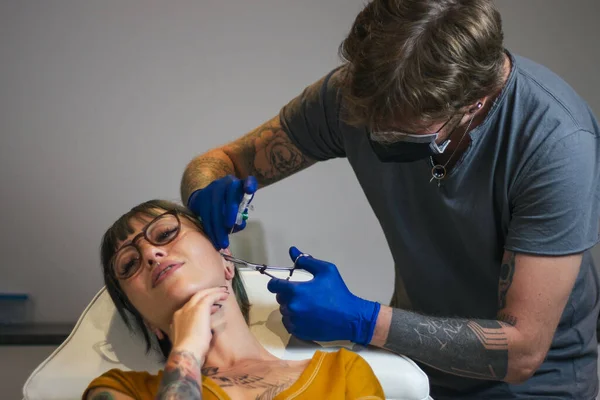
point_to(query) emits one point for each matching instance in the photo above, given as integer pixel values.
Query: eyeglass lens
(159, 232)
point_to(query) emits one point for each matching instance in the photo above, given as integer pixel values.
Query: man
(482, 168)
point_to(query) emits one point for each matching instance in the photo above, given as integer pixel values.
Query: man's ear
(228, 265)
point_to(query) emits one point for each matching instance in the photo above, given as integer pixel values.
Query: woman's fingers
(197, 297)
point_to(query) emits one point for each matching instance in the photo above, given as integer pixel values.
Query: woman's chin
(180, 292)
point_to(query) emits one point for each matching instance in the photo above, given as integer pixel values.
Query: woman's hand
(191, 336)
(191, 325)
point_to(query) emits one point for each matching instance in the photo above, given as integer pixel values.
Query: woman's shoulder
(343, 357)
(120, 374)
(360, 380)
(132, 383)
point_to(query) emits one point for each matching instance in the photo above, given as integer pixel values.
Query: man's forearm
(203, 170)
(471, 348)
(267, 153)
(182, 377)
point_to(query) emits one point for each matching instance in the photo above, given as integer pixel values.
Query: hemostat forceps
(260, 267)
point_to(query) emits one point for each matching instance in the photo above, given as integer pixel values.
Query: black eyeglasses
(162, 230)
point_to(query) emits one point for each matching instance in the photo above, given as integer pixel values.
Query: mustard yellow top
(342, 374)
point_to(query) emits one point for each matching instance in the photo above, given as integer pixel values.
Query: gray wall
(103, 103)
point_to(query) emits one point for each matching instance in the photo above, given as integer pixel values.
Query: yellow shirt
(342, 374)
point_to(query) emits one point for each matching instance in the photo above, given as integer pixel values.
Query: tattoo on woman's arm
(182, 378)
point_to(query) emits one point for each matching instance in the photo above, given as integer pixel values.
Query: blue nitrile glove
(217, 204)
(323, 309)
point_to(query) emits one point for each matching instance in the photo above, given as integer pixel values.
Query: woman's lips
(162, 275)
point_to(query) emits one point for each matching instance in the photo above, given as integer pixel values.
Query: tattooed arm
(182, 378)
(532, 294)
(266, 153)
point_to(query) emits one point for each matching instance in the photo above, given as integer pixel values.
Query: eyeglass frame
(143, 234)
(416, 134)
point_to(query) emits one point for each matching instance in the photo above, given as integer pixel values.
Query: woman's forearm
(182, 377)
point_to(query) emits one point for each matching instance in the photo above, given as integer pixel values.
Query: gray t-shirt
(528, 183)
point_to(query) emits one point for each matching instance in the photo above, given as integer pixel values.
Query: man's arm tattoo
(470, 348)
(270, 381)
(202, 171)
(509, 319)
(507, 271)
(181, 377)
(267, 153)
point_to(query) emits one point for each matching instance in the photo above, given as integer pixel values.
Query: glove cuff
(192, 199)
(367, 323)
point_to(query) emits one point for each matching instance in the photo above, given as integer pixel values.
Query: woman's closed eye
(166, 234)
(127, 267)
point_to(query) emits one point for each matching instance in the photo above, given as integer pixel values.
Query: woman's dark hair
(117, 233)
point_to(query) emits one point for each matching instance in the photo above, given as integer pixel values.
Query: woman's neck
(232, 341)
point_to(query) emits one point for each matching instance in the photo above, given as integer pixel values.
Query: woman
(167, 280)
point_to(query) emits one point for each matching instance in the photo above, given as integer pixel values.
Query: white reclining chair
(100, 341)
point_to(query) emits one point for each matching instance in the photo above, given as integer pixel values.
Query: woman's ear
(159, 334)
(228, 265)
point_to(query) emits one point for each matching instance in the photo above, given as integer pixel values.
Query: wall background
(103, 104)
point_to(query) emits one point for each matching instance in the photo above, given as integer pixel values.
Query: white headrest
(100, 341)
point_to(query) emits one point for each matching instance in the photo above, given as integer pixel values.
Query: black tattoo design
(267, 153)
(195, 177)
(273, 391)
(276, 156)
(507, 318)
(181, 377)
(103, 396)
(209, 371)
(469, 348)
(246, 380)
(272, 384)
(507, 271)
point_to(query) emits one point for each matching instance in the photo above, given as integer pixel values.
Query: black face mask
(408, 147)
(406, 151)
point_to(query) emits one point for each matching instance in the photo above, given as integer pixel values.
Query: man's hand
(217, 205)
(323, 309)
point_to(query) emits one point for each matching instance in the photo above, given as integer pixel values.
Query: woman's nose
(152, 254)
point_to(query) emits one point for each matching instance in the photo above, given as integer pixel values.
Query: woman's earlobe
(159, 334)
(229, 270)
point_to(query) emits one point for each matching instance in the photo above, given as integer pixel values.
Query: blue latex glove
(217, 204)
(323, 309)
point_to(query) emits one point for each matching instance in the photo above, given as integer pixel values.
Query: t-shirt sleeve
(116, 380)
(361, 382)
(311, 120)
(555, 205)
